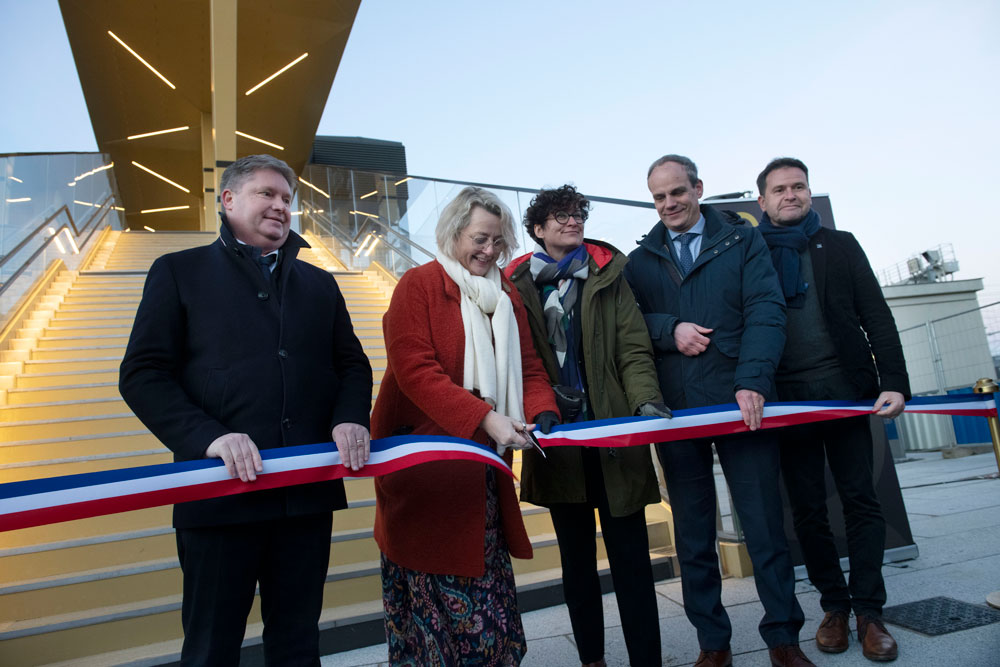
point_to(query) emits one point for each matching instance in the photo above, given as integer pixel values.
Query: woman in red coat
(460, 363)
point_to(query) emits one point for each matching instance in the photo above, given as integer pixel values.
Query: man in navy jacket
(710, 297)
(842, 344)
(238, 346)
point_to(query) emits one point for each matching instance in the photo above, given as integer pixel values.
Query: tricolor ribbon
(51, 500)
(41, 501)
(726, 419)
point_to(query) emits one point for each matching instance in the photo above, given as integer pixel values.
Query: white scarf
(481, 297)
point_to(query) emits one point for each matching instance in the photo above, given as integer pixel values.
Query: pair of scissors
(534, 442)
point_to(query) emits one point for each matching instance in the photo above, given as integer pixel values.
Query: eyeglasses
(562, 217)
(485, 242)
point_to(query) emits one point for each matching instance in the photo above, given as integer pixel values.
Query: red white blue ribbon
(42, 501)
(726, 419)
(54, 499)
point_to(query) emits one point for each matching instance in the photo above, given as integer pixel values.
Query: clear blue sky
(893, 105)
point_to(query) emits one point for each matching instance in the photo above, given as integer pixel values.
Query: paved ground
(954, 511)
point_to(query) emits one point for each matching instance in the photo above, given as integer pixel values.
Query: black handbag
(571, 402)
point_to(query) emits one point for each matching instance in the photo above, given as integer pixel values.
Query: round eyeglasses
(562, 217)
(485, 242)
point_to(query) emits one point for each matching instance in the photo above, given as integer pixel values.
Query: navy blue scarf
(786, 243)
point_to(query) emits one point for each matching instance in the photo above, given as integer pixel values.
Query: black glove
(544, 421)
(570, 402)
(653, 409)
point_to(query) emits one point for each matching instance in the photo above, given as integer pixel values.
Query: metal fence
(952, 352)
(948, 355)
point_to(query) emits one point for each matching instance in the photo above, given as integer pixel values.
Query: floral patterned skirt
(436, 620)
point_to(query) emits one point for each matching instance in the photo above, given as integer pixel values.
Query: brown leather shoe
(831, 637)
(876, 642)
(789, 655)
(714, 659)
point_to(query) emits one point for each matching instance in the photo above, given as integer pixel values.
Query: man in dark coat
(842, 344)
(710, 298)
(238, 346)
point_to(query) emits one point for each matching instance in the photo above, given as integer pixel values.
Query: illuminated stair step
(63, 409)
(84, 331)
(66, 378)
(99, 551)
(78, 353)
(61, 321)
(116, 339)
(64, 448)
(67, 366)
(62, 393)
(83, 464)
(73, 426)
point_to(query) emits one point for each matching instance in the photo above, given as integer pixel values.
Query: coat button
(283, 353)
(262, 295)
(727, 242)
(737, 237)
(286, 422)
(716, 252)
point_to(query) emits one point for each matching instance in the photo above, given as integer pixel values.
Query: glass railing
(51, 207)
(390, 218)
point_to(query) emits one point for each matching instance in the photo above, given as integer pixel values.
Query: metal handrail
(401, 254)
(352, 243)
(76, 231)
(330, 227)
(514, 188)
(372, 223)
(404, 239)
(102, 212)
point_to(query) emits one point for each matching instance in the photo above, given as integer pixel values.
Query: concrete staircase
(106, 590)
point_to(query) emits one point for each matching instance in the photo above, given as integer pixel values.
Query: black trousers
(222, 567)
(750, 463)
(627, 544)
(846, 444)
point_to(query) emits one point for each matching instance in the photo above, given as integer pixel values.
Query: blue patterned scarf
(558, 286)
(786, 243)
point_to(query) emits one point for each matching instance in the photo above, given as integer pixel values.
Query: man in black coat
(709, 295)
(842, 344)
(238, 346)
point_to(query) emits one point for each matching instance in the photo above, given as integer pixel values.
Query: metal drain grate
(940, 615)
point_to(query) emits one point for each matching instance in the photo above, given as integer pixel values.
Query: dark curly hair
(547, 202)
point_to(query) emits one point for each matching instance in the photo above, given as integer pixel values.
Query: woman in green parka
(594, 343)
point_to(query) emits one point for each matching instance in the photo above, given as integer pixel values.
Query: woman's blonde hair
(456, 216)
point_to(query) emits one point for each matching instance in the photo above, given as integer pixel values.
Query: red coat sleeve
(421, 327)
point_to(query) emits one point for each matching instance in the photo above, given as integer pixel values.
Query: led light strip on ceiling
(161, 210)
(259, 140)
(140, 59)
(280, 71)
(160, 176)
(153, 134)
